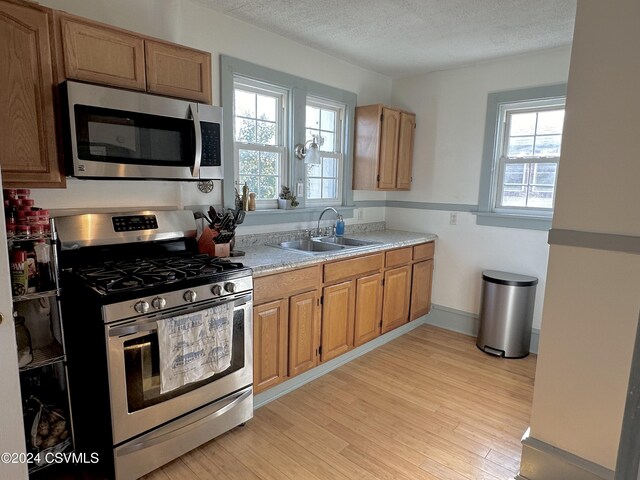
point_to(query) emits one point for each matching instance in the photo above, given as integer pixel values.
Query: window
(324, 120)
(529, 151)
(259, 138)
(266, 113)
(523, 137)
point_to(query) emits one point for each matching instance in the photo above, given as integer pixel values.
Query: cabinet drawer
(334, 272)
(398, 257)
(285, 284)
(424, 250)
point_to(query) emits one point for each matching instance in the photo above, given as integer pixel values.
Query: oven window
(115, 136)
(142, 367)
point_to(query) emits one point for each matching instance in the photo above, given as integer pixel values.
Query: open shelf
(47, 355)
(34, 295)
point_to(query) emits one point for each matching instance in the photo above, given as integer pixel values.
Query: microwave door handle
(197, 157)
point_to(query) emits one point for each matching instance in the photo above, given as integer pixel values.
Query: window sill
(508, 220)
(294, 215)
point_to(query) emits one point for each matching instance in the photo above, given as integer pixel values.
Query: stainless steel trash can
(506, 313)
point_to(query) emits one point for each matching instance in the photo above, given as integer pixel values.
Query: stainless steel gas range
(159, 338)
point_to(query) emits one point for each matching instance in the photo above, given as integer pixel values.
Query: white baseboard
(467, 323)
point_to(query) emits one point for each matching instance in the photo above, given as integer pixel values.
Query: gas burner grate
(116, 276)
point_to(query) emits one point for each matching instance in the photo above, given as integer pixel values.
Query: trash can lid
(511, 279)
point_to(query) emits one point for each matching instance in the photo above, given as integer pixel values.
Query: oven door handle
(197, 156)
(185, 424)
(151, 325)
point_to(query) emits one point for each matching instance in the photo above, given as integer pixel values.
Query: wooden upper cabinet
(99, 54)
(304, 332)
(388, 164)
(29, 153)
(383, 156)
(178, 71)
(405, 151)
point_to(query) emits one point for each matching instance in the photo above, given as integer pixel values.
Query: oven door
(137, 404)
(120, 134)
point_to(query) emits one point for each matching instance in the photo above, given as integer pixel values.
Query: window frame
(488, 213)
(300, 88)
(339, 110)
(282, 106)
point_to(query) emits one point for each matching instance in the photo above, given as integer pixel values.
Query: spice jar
(19, 272)
(23, 340)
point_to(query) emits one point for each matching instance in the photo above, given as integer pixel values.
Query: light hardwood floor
(428, 405)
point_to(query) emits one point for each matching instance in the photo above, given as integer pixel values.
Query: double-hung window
(523, 139)
(260, 118)
(324, 121)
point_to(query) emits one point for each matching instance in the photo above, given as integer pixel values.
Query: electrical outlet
(453, 218)
(299, 189)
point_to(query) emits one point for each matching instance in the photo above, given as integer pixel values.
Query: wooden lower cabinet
(338, 311)
(270, 338)
(396, 298)
(304, 332)
(368, 316)
(421, 289)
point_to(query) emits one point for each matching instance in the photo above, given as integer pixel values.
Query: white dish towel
(194, 346)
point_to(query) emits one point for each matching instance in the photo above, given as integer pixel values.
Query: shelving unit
(45, 377)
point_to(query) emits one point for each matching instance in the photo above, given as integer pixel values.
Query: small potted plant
(287, 199)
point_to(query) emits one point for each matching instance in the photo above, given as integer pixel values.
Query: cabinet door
(29, 154)
(405, 150)
(421, 289)
(269, 344)
(397, 295)
(387, 168)
(178, 71)
(337, 319)
(98, 54)
(304, 332)
(368, 308)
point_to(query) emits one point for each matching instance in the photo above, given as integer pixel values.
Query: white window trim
(487, 214)
(339, 132)
(282, 98)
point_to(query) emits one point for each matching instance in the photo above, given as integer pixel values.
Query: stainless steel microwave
(121, 134)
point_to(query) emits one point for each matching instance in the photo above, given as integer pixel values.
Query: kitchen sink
(323, 244)
(346, 241)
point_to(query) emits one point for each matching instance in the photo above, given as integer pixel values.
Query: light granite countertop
(265, 259)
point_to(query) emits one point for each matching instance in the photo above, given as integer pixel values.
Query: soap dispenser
(340, 226)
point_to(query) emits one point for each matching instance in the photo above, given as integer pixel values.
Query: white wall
(592, 302)
(188, 23)
(451, 107)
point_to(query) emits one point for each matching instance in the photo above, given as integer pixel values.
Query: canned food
(23, 229)
(28, 202)
(19, 272)
(11, 229)
(9, 193)
(37, 229)
(23, 192)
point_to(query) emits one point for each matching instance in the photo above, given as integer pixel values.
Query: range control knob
(216, 290)
(230, 287)
(190, 296)
(158, 303)
(141, 307)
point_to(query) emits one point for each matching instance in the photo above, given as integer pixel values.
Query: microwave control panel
(210, 144)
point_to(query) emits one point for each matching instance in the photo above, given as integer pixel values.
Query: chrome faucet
(320, 218)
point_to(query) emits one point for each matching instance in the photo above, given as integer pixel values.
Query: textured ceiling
(405, 37)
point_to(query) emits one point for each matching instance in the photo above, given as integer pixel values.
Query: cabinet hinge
(381, 116)
(320, 350)
(380, 324)
(318, 300)
(378, 178)
(321, 300)
(382, 282)
(411, 179)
